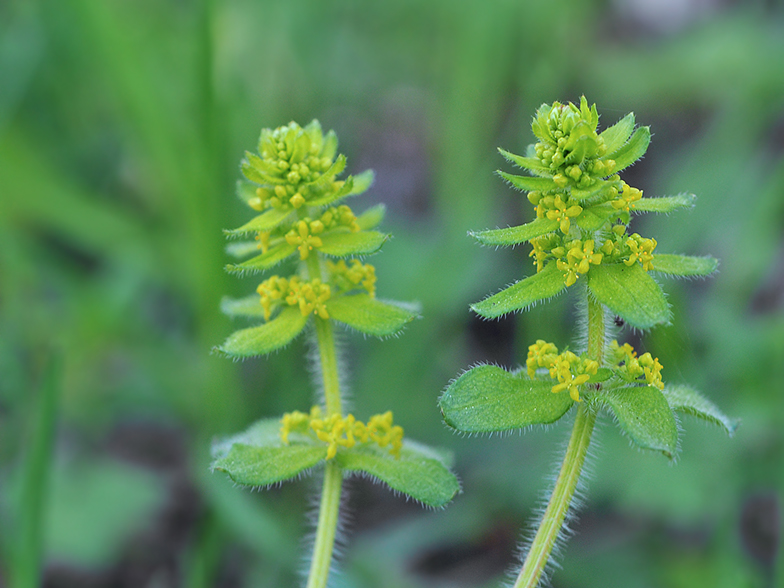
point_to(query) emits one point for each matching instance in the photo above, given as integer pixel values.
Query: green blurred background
(122, 124)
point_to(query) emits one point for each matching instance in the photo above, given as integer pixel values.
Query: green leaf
(368, 315)
(362, 182)
(688, 401)
(644, 415)
(630, 293)
(488, 399)
(372, 217)
(277, 333)
(633, 150)
(616, 135)
(247, 306)
(684, 265)
(515, 235)
(258, 457)
(418, 472)
(593, 218)
(246, 191)
(598, 193)
(266, 221)
(540, 286)
(664, 204)
(329, 175)
(529, 183)
(330, 197)
(240, 249)
(342, 244)
(271, 258)
(253, 168)
(530, 163)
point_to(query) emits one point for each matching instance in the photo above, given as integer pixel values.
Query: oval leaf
(633, 150)
(264, 222)
(368, 315)
(271, 258)
(342, 244)
(630, 293)
(540, 286)
(362, 182)
(257, 457)
(241, 249)
(372, 217)
(644, 415)
(664, 204)
(528, 183)
(684, 265)
(594, 217)
(418, 472)
(487, 399)
(268, 337)
(249, 306)
(516, 235)
(687, 400)
(616, 135)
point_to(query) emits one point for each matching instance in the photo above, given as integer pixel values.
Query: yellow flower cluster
(645, 366)
(629, 248)
(339, 431)
(303, 232)
(554, 207)
(626, 197)
(347, 277)
(310, 296)
(578, 259)
(570, 370)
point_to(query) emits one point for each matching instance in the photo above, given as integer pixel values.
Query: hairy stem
(327, 527)
(566, 484)
(329, 507)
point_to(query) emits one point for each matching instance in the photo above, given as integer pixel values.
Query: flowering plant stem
(569, 476)
(333, 476)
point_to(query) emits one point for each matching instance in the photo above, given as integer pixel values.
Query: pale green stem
(566, 484)
(329, 507)
(327, 527)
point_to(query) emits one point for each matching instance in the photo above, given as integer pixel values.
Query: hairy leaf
(530, 163)
(688, 401)
(249, 306)
(277, 333)
(362, 182)
(266, 221)
(684, 265)
(616, 135)
(257, 457)
(372, 217)
(271, 258)
(516, 235)
(487, 399)
(368, 315)
(664, 204)
(540, 286)
(631, 151)
(644, 415)
(594, 217)
(528, 183)
(418, 472)
(630, 293)
(342, 244)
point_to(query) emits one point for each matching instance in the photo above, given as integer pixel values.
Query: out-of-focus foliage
(120, 127)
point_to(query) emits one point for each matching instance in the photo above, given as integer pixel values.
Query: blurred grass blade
(36, 477)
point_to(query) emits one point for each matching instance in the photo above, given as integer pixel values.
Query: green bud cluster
(569, 145)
